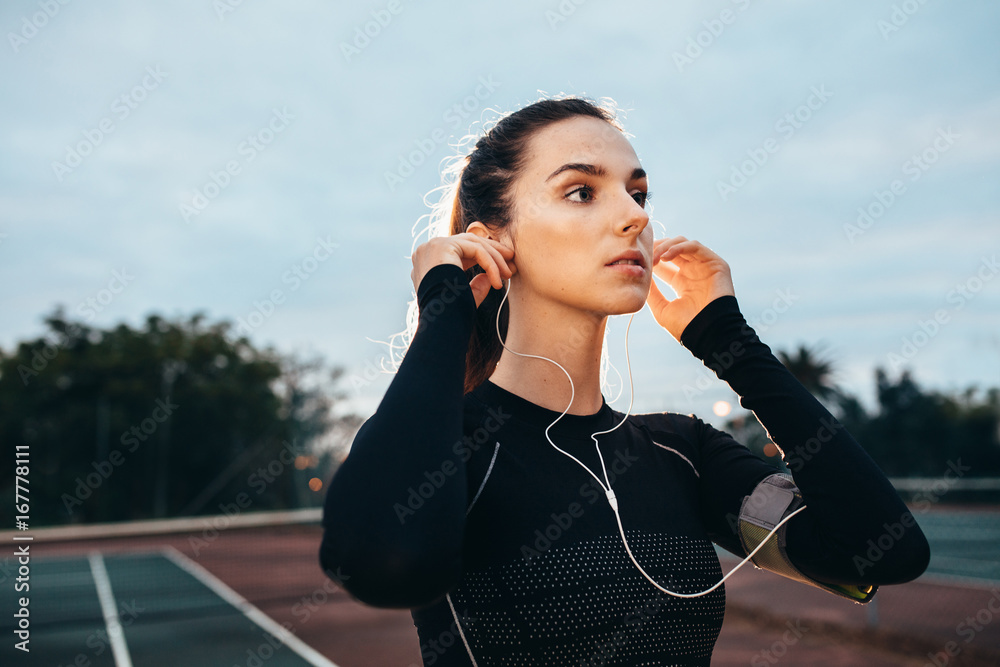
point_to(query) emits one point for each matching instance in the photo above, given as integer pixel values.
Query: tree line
(184, 418)
(912, 432)
(173, 418)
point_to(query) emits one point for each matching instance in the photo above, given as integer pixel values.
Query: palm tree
(815, 373)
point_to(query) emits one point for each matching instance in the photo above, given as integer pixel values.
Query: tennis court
(244, 590)
(148, 601)
(151, 609)
(249, 591)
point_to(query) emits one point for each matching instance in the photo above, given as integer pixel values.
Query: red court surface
(769, 620)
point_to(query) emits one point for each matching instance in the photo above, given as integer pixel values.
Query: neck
(570, 337)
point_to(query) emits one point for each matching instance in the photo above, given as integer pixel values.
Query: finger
(480, 285)
(661, 246)
(667, 244)
(686, 248)
(497, 250)
(655, 298)
(667, 271)
(507, 255)
(479, 253)
(505, 249)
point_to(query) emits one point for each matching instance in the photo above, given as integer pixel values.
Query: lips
(632, 257)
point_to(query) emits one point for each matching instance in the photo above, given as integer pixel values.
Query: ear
(479, 229)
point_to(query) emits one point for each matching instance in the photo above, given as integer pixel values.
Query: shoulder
(673, 432)
(672, 423)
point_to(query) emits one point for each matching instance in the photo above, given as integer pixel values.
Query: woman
(476, 495)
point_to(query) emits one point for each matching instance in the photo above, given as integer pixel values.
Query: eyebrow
(593, 170)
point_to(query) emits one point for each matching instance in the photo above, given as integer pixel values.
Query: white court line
(110, 610)
(308, 653)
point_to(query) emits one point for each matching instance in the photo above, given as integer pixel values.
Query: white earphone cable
(609, 492)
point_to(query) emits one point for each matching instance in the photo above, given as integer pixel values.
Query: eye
(642, 198)
(586, 194)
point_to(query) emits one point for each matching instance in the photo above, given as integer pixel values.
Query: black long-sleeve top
(446, 492)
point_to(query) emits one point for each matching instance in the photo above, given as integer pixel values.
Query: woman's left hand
(695, 273)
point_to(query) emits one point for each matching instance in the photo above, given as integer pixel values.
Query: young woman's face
(579, 204)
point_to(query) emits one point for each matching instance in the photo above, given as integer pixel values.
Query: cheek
(555, 245)
(554, 250)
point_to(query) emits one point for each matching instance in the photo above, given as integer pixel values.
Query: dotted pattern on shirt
(587, 604)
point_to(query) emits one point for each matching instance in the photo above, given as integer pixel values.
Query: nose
(635, 216)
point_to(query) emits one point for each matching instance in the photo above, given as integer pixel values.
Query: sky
(267, 163)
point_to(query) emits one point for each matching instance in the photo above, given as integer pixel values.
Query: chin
(631, 303)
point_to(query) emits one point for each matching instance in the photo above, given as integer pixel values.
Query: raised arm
(386, 539)
(850, 503)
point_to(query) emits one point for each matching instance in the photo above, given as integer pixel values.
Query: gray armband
(774, 498)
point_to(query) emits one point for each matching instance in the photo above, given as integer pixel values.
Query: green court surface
(157, 608)
(964, 545)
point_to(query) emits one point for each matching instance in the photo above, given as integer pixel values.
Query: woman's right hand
(466, 250)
